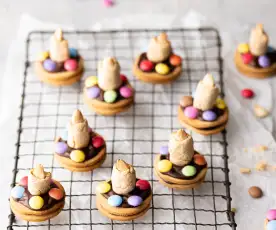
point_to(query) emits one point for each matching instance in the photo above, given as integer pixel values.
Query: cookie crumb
(260, 111)
(245, 170)
(261, 166)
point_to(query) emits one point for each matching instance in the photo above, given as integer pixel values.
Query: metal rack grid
(135, 135)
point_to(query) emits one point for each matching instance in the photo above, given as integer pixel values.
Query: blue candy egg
(271, 225)
(73, 52)
(164, 150)
(115, 200)
(17, 192)
(209, 115)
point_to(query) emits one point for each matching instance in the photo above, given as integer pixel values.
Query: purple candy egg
(61, 147)
(209, 115)
(191, 112)
(164, 150)
(49, 65)
(93, 92)
(134, 201)
(264, 61)
(126, 92)
(271, 215)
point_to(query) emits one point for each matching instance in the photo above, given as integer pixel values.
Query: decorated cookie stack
(178, 165)
(109, 93)
(124, 197)
(159, 64)
(84, 150)
(37, 197)
(256, 59)
(270, 221)
(204, 113)
(60, 65)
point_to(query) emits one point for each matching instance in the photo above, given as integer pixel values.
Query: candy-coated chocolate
(108, 3)
(93, 92)
(97, 142)
(73, 52)
(247, 93)
(110, 96)
(220, 103)
(103, 187)
(134, 201)
(255, 192)
(146, 65)
(126, 92)
(164, 166)
(143, 184)
(162, 68)
(271, 214)
(24, 181)
(115, 200)
(189, 170)
(77, 156)
(36, 202)
(186, 101)
(191, 112)
(175, 60)
(247, 58)
(264, 61)
(123, 77)
(271, 225)
(243, 48)
(164, 150)
(91, 81)
(199, 159)
(209, 115)
(49, 65)
(17, 192)
(70, 65)
(56, 193)
(61, 147)
(43, 56)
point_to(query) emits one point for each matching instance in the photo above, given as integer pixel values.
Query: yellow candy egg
(36, 202)
(220, 103)
(103, 187)
(43, 56)
(91, 81)
(77, 156)
(243, 48)
(162, 69)
(164, 166)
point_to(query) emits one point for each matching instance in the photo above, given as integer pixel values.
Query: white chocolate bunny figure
(59, 49)
(258, 41)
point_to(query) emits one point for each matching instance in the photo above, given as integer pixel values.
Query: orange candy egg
(56, 193)
(199, 160)
(175, 60)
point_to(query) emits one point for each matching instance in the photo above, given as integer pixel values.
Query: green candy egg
(110, 96)
(189, 170)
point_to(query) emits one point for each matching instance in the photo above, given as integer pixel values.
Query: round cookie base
(62, 78)
(252, 72)
(155, 78)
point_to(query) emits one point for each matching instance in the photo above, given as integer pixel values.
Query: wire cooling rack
(134, 136)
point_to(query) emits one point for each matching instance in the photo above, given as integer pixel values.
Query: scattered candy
(189, 170)
(264, 61)
(110, 96)
(186, 101)
(56, 193)
(49, 65)
(91, 81)
(209, 115)
(247, 58)
(260, 111)
(93, 92)
(191, 112)
(162, 68)
(126, 92)
(175, 60)
(146, 65)
(220, 103)
(115, 200)
(271, 214)
(271, 225)
(24, 181)
(199, 160)
(247, 93)
(164, 150)
(255, 192)
(123, 77)
(103, 187)
(143, 184)
(17, 192)
(77, 156)
(73, 52)
(97, 142)
(164, 166)
(243, 48)
(108, 3)
(36, 202)
(61, 148)
(43, 56)
(134, 201)
(70, 65)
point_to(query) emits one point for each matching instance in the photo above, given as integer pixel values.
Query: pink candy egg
(97, 142)
(271, 215)
(70, 65)
(56, 193)
(191, 112)
(24, 181)
(126, 92)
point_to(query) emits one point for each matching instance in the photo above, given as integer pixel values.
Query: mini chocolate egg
(189, 170)
(247, 58)
(36, 202)
(70, 65)
(126, 92)
(264, 61)
(93, 92)
(73, 52)
(143, 184)
(91, 81)
(271, 225)
(191, 112)
(199, 160)
(175, 60)
(103, 187)
(77, 156)
(115, 200)
(255, 192)
(162, 68)
(49, 65)
(43, 56)
(164, 150)
(56, 193)
(186, 101)
(220, 103)
(271, 214)
(209, 115)
(97, 142)
(134, 201)
(243, 48)
(123, 77)
(17, 192)
(164, 166)
(24, 181)
(146, 65)
(61, 147)
(110, 96)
